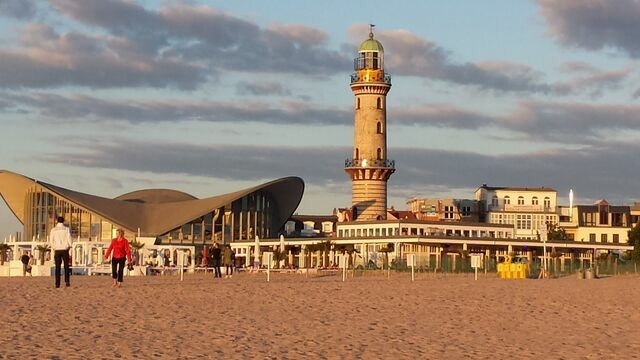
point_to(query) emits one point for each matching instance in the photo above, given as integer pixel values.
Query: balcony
(371, 76)
(521, 208)
(369, 163)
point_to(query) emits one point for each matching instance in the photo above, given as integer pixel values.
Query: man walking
(60, 241)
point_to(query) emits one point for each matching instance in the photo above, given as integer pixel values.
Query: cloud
(83, 108)
(19, 9)
(571, 123)
(177, 46)
(440, 116)
(261, 88)
(539, 121)
(592, 79)
(196, 33)
(416, 56)
(418, 170)
(48, 59)
(419, 57)
(594, 172)
(594, 24)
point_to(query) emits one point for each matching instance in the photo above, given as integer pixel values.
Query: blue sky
(207, 97)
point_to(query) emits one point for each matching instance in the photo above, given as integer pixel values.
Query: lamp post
(542, 236)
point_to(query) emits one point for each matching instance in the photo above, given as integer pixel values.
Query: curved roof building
(169, 215)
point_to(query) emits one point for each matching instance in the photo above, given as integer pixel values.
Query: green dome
(371, 44)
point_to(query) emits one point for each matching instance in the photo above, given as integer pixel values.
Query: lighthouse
(369, 168)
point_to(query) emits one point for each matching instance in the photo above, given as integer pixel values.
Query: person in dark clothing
(216, 255)
(26, 266)
(227, 261)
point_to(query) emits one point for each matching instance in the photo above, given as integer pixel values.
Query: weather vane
(371, 26)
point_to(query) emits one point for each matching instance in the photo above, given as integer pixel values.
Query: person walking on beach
(227, 261)
(121, 251)
(60, 242)
(216, 255)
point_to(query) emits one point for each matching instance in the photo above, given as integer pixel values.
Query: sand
(294, 317)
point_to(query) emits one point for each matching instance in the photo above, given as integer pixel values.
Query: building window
(379, 128)
(520, 200)
(547, 203)
(379, 154)
(494, 201)
(448, 212)
(523, 222)
(466, 210)
(534, 200)
(507, 200)
(603, 215)
(357, 103)
(616, 238)
(592, 237)
(357, 154)
(603, 238)
(379, 104)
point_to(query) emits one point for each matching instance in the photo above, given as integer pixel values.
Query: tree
(42, 251)
(386, 250)
(325, 247)
(556, 233)
(136, 246)
(278, 256)
(634, 240)
(3, 252)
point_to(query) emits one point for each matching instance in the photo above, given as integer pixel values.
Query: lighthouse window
(358, 103)
(379, 154)
(357, 153)
(368, 60)
(379, 127)
(379, 104)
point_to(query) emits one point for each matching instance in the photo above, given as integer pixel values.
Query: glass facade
(43, 207)
(240, 220)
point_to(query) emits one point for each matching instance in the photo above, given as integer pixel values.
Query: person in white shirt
(60, 241)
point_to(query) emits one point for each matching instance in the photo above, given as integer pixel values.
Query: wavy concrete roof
(154, 211)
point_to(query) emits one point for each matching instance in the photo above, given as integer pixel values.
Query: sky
(208, 97)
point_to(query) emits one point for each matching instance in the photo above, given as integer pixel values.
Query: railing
(373, 76)
(372, 163)
(515, 207)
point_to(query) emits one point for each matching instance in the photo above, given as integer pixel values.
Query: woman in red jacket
(121, 252)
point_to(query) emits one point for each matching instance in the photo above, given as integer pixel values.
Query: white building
(527, 209)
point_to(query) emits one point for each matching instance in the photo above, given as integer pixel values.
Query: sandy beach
(294, 317)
